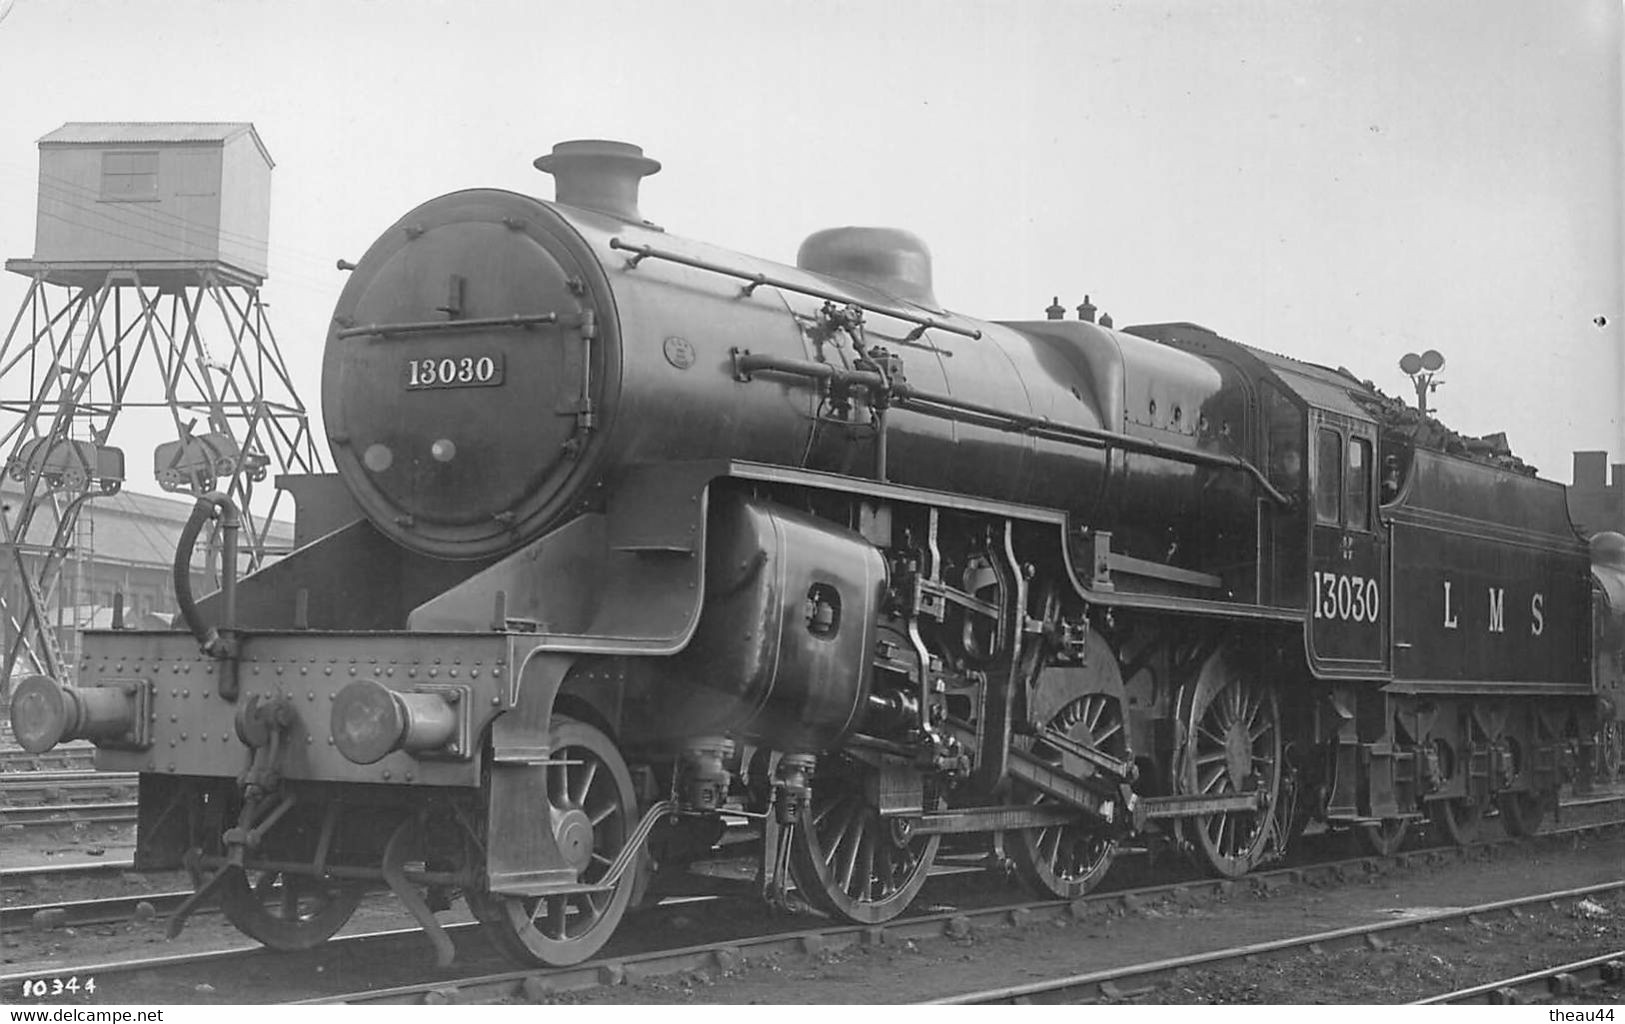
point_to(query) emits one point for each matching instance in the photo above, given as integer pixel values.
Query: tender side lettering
(1495, 620)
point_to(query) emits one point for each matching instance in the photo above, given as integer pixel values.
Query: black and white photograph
(811, 502)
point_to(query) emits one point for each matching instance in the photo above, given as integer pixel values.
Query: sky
(1342, 181)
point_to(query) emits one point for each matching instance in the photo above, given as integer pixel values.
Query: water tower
(144, 292)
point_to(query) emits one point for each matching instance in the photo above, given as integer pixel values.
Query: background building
(125, 543)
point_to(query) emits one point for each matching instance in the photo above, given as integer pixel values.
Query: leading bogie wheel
(593, 810)
(287, 911)
(846, 859)
(1066, 861)
(1232, 745)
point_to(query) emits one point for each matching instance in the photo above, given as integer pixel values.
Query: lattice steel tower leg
(86, 345)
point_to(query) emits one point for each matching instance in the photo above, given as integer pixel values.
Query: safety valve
(371, 721)
(44, 713)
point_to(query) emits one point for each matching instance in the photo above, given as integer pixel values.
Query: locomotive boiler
(631, 536)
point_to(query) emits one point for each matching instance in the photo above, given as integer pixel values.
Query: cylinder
(370, 721)
(44, 714)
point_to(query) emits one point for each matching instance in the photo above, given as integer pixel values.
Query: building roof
(134, 529)
(101, 133)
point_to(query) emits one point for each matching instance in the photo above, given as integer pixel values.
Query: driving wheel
(1066, 861)
(1232, 745)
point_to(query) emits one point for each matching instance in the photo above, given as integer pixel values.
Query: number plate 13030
(471, 371)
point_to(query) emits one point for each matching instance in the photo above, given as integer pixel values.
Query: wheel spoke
(604, 813)
(866, 867)
(854, 843)
(579, 795)
(1216, 739)
(1049, 845)
(553, 924)
(822, 813)
(1093, 709)
(1218, 775)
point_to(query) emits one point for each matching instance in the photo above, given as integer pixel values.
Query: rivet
(172, 766)
(496, 701)
(187, 694)
(183, 737)
(452, 673)
(304, 671)
(389, 671)
(309, 740)
(473, 673)
(388, 774)
(310, 695)
(328, 670)
(433, 672)
(330, 741)
(352, 670)
(279, 670)
(174, 693)
(172, 718)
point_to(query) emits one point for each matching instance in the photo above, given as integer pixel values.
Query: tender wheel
(1066, 861)
(593, 809)
(1232, 745)
(1521, 813)
(1384, 839)
(287, 911)
(1457, 819)
(849, 862)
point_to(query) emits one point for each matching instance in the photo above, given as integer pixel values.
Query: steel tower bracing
(90, 342)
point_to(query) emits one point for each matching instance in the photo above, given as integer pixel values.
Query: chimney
(597, 174)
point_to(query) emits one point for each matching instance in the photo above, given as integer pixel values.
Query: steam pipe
(217, 642)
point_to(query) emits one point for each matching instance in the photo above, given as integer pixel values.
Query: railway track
(1594, 977)
(59, 787)
(68, 757)
(118, 812)
(397, 945)
(1125, 983)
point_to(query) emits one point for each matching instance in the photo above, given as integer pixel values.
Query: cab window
(1358, 512)
(1328, 475)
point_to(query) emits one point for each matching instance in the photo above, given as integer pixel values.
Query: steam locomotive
(633, 539)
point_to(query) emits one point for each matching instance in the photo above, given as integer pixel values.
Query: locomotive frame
(755, 549)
